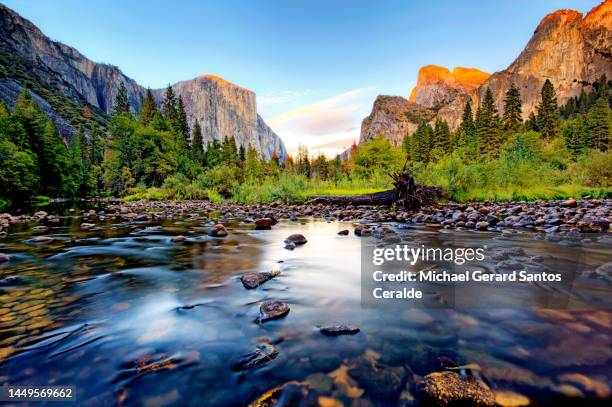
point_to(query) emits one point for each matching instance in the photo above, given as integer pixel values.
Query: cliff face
(437, 86)
(223, 109)
(566, 48)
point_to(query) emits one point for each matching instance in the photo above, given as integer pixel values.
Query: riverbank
(561, 216)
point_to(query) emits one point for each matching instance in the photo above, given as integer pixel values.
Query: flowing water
(130, 317)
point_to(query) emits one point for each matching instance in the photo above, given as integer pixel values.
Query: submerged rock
(449, 389)
(344, 232)
(264, 223)
(261, 355)
(179, 238)
(335, 330)
(41, 239)
(510, 399)
(86, 226)
(290, 246)
(377, 379)
(218, 231)
(297, 238)
(272, 309)
(289, 394)
(256, 278)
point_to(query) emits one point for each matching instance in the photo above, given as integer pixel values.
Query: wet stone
(4, 258)
(263, 354)
(290, 246)
(218, 231)
(344, 232)
(289, 394)
(272, 309)
(335, 330)
(297, 238)
(255, 279)
(449, 389)
(39, 229)
(86, 226)
(10, 281)
(179, 238)
(41, 239)
(263, 224)
(377, 379)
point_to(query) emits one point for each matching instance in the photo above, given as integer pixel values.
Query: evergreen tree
(512, 109)
(548, 112)
(442, 136)
(599, 125)
(182, 126)
(148, 110)
(122, 103)
(241, 153)
(488, 126)
(532, 122)
(169, 106)
(197, 143)
(422, 143)
(467, 128)
(574, 134)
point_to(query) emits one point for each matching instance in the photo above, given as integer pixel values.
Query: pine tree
(197, 143)
(122, 103)
(488, 126)
(599, 125)
(442, 136)
(548, 112)
(169, 105)
(148, 110)
(422, 143)
(512, 109)
(467, 127)
(181, 120)
(241, 153)
(574, 133)
(532, 122)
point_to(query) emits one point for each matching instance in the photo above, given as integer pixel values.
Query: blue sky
(316, 66)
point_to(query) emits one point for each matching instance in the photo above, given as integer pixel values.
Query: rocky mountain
(63, 81)
(571, 50)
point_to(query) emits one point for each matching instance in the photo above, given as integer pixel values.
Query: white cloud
(274, 99)
(328, 126)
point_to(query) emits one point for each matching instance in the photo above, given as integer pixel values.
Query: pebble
(256, 278)
(297, 238)
(335, 330)
(218, 231)
(272, 309)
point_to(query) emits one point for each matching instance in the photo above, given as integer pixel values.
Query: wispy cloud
(326, 126)
(274, 99)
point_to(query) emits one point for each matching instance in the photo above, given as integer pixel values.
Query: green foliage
(378, 155)
(599, 125)
(148, 109)
(488, 127)
(512, 119)
(122, 103)
(548, 112)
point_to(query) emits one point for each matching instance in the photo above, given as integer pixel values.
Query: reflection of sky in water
(127, 314)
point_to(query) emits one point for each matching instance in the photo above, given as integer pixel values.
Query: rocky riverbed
(564, 216)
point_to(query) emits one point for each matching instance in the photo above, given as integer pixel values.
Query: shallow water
(104, 310)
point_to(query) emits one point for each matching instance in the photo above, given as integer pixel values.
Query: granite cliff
(571, 50)
(63, 81)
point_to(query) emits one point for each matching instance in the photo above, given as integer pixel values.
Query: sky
(316, 66)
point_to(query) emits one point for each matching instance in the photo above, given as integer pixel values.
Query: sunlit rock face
(571, 50)
(223, 109)
(227, 110)
(436, 85)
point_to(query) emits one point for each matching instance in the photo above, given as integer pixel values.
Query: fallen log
(406, 192)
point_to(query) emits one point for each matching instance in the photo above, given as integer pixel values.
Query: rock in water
(179, 238)
(263, 224)
(289, 394)
(257, 278)
(4, 258)
(41, 239)
(261, 355)
(297, 238)
(272, 309)
(86, 226)
(449, 388)
(335, 330)
(218, 231)
(344, 232)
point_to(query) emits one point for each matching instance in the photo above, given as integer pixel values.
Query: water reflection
(133, 318)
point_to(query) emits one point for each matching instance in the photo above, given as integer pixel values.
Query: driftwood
(406, 192)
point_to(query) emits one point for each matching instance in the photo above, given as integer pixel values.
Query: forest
(558, 152)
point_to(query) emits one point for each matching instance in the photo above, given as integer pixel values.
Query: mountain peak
(559, 17)
(437, 84)
(600, 16)
(222, 81)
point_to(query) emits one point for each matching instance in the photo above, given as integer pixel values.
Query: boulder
(450, 388)
(256, 278)
(218, 231)
(272, 309)
(297, 238)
